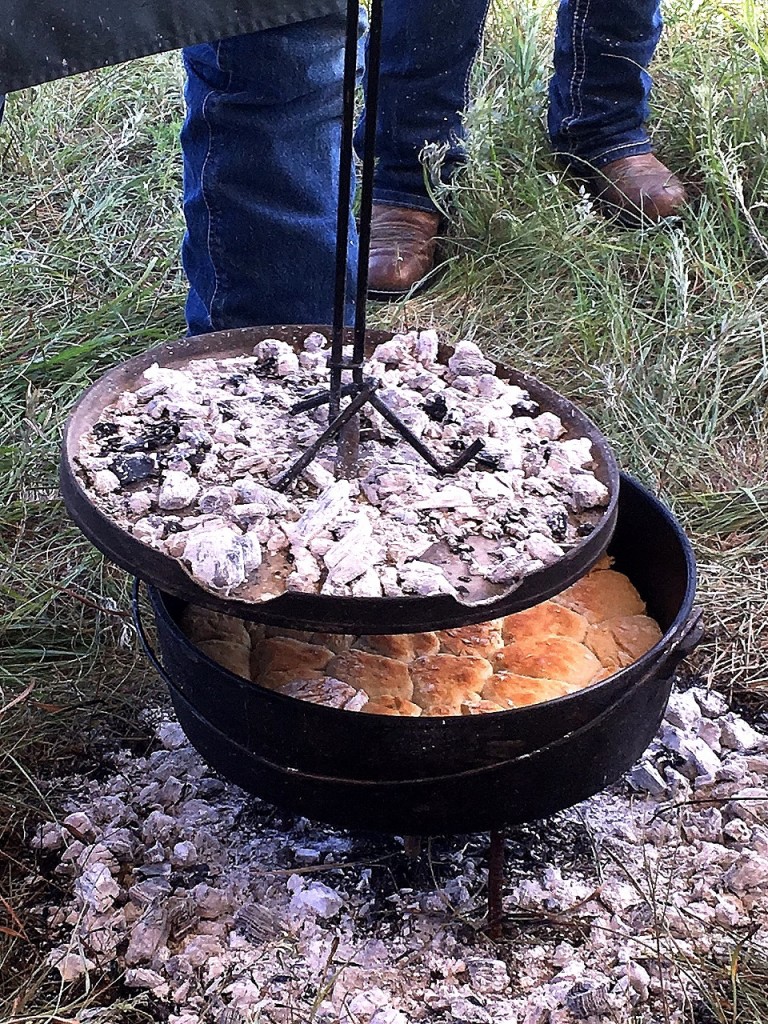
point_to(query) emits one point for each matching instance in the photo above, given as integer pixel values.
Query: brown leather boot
(638, 189)
(402, 249)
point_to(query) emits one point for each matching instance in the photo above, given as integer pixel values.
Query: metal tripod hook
(346, 423)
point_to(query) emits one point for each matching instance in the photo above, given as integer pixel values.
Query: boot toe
(402, 248)
(639, 189)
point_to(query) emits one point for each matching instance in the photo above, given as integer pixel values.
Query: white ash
(222, 908)
(187, 465)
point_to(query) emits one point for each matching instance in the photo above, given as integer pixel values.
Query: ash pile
(188, 462)
(213, 907)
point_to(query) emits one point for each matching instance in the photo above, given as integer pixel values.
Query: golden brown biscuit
(484, 707)
(619, 642)
(440, 711)
(386, 705)
(520, 691)
(603, 562)
(201, 624)
(604, 673)
(373, 673)
(374, 707)
(483, 639)
(287, 657)
(279, 680)
(402, 646)
(602, 595)
(448, 680)
(336, 642)
(600, 640)
(331, 693)
(232, 656)
(556, 657)
(542, 620)
(635, 635)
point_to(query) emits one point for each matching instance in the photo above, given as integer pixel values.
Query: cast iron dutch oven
(427, 776)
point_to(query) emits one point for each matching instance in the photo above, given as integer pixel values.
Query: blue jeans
(598, 96)
(261, 136)
(428, 48)
(598, 93)
(260, 143)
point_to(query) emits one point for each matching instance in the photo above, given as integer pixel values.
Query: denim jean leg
(598, 95)
(260, 144)
(428, 48)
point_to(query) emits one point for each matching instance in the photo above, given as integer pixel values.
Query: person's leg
(598, 97)
(599, 103)
(261, 168)
(428, 49)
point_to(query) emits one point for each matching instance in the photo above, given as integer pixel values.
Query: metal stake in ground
(495, 884)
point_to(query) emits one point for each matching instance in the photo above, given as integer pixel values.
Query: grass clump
(89, 233)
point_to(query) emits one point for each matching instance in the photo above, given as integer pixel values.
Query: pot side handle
(689, 638)
(141, 632)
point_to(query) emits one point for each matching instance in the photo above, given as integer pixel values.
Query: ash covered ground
(210, 905)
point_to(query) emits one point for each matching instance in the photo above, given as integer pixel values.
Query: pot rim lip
(661, 649)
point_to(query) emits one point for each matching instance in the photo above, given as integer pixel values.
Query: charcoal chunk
(436, 407)
(133, 469)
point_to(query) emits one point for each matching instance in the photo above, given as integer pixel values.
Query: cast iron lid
(407, 614)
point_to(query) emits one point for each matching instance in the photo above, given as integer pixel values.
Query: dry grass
(659, 333)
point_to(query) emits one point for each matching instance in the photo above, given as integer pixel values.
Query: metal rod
(373, 65)
(315, 401)
(363, 396)
(348, 450)
(495, 885)
(441, 469)
(346, 423)
(344, 203)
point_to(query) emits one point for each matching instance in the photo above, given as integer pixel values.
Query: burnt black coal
(162, 435)
(525, 409)
(436, 408)
(558, 524)
(105, 431)
(134, 469)
(487, 460)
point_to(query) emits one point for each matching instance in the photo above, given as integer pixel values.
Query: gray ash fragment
(587, 1000)
(229, 1015)
(257, 924)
